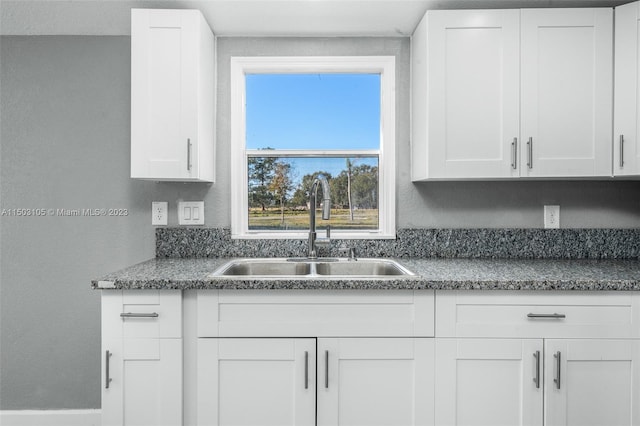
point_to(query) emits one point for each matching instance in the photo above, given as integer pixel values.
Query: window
(293, 118)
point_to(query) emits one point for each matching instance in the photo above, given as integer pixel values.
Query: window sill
(303, 235)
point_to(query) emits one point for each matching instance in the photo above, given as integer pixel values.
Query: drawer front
(142, 314)
(303, 313)
(538, 314)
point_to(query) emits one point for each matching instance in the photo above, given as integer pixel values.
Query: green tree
(261, 172)
(281, 184)
(365, 186)
(338, 187)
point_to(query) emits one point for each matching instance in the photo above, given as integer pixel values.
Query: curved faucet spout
(326, 211)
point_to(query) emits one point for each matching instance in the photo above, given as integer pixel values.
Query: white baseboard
(50, 418)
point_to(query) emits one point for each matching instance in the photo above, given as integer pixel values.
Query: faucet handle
(324, 242)
(352, 253)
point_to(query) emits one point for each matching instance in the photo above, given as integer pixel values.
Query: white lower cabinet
(142, 358)
(488, 382)
(577, 362)
(592, 382)
(355, 381)
(404, 358)
(267, 382)
(375, 381)
(505, 381)
(145, 385)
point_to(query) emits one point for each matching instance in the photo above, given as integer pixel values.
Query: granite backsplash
(416, 243)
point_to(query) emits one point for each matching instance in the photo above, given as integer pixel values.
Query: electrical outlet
(191, 213)
(552, 217)
(159, 215)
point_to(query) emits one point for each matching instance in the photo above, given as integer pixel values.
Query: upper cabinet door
(466, 94)
(626, 111)
(566, 88)
(172, 95)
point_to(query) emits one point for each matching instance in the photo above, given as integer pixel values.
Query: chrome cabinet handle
(306, 369)
(188, 154)
(536, 379)
(107, 379)
(551, 316)
(326, 369)
(530, 153)
(514, 154)
(139, 315)
(558, 357)
(621, 151)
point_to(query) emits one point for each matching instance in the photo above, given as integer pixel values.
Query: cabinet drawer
(538, 314)
(142, 314)
(300, 313)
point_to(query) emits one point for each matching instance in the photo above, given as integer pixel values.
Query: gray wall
(64, 144)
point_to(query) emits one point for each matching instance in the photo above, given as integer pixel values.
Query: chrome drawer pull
(306, 369)
(552, 316)
(326, 369)
(189, 154)
(107, 379)
(558, 357)
(536, 379)
(139, 315)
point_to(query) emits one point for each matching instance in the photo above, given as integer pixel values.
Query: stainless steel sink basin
(264, 267)
(301, 268)
(363, 267)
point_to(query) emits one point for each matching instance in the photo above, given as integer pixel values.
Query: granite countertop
(431, 273)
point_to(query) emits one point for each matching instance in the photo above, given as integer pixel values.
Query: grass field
(299, 219)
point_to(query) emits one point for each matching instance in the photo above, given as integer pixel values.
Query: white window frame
(383, 65)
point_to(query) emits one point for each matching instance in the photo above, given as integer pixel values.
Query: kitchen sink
(364, 267)
(316, 268)
(264, 267)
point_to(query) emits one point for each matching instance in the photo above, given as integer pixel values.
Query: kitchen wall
(64, 145)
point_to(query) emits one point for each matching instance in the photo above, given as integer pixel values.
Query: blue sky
(313, 111)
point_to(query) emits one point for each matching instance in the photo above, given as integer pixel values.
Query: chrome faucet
(326, 213)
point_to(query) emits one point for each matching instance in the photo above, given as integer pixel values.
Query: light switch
(191, 212)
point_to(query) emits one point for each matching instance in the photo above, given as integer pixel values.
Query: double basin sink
(313, 268)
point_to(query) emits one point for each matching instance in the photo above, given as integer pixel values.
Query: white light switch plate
(191, 212)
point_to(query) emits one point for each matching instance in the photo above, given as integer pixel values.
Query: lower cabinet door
(375, 381)
(592, 382)
(142, 382)
(489, 382)
(260, 382)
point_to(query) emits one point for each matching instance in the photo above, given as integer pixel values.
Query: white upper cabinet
(512, 93)
(172, 96)
(566, 87)
(627, 77)
(465, 94)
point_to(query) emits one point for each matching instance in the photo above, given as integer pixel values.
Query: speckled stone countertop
(432, 273)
